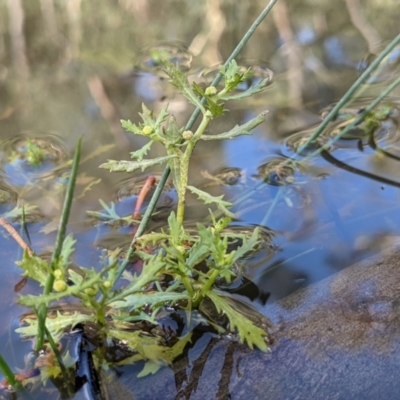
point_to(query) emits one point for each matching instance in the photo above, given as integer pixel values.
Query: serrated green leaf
(238, 130)
(180, 81)
(175, 229)
(257, 88)
(152, 237)
(131, 127)
(198, 89)
(249, 244)
(139, 300)
(147, 116)
(207, 199)
(172, 132)
(139, 154)
(35, 301)
(248, 332)
(175, 166)
(56, 325)
(197, 254)
(215, 108)
(67, 250)
(149, 274)
(149, 348)
(76, 278)
(35, 268)
(130, 166)
(162, 116)
(232, 76)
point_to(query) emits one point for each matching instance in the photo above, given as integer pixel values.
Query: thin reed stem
(347, 96)
(9, 375)
(42, 311)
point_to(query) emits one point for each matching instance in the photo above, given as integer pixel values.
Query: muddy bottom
(337, 339)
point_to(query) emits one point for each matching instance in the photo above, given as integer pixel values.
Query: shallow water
(77, 69)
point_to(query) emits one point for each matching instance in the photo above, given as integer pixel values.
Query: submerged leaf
(129, 166)
(207, 198)
(248, 332)
(150, 349)
(238, 130)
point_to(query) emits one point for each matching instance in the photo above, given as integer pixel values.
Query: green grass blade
(42, 312)
(8, 374)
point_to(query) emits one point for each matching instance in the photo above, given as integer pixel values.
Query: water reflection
(30, 156)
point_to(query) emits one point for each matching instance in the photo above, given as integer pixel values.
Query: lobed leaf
(238, 130)
(139, 154)
(207, 199)
(131, 127)
(180, 81)
(55, 325)
(248, 332)
(197, 254)
(249, 244)
(35, 268)
(129, 166)
(257, 88)
(172, 132)
(150, 349)
(139, 300)
(215, 108)
(139, 282)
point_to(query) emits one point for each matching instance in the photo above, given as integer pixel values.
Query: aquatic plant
(181, 267)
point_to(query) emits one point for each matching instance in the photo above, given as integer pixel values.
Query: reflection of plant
(35, 155)
(32, 153)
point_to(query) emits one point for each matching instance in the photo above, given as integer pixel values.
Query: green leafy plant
(194, 261)
(183, 267)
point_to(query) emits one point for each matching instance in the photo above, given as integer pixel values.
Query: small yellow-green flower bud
(146, 130)
(181, 249)
(107, 284)
(211, 91)
(90, 291)
(59, 285)
(58, 273)
(187, 135)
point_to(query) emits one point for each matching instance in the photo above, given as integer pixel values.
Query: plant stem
(210, 281)
(184, 167)
(349, 93)
(9, 375)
